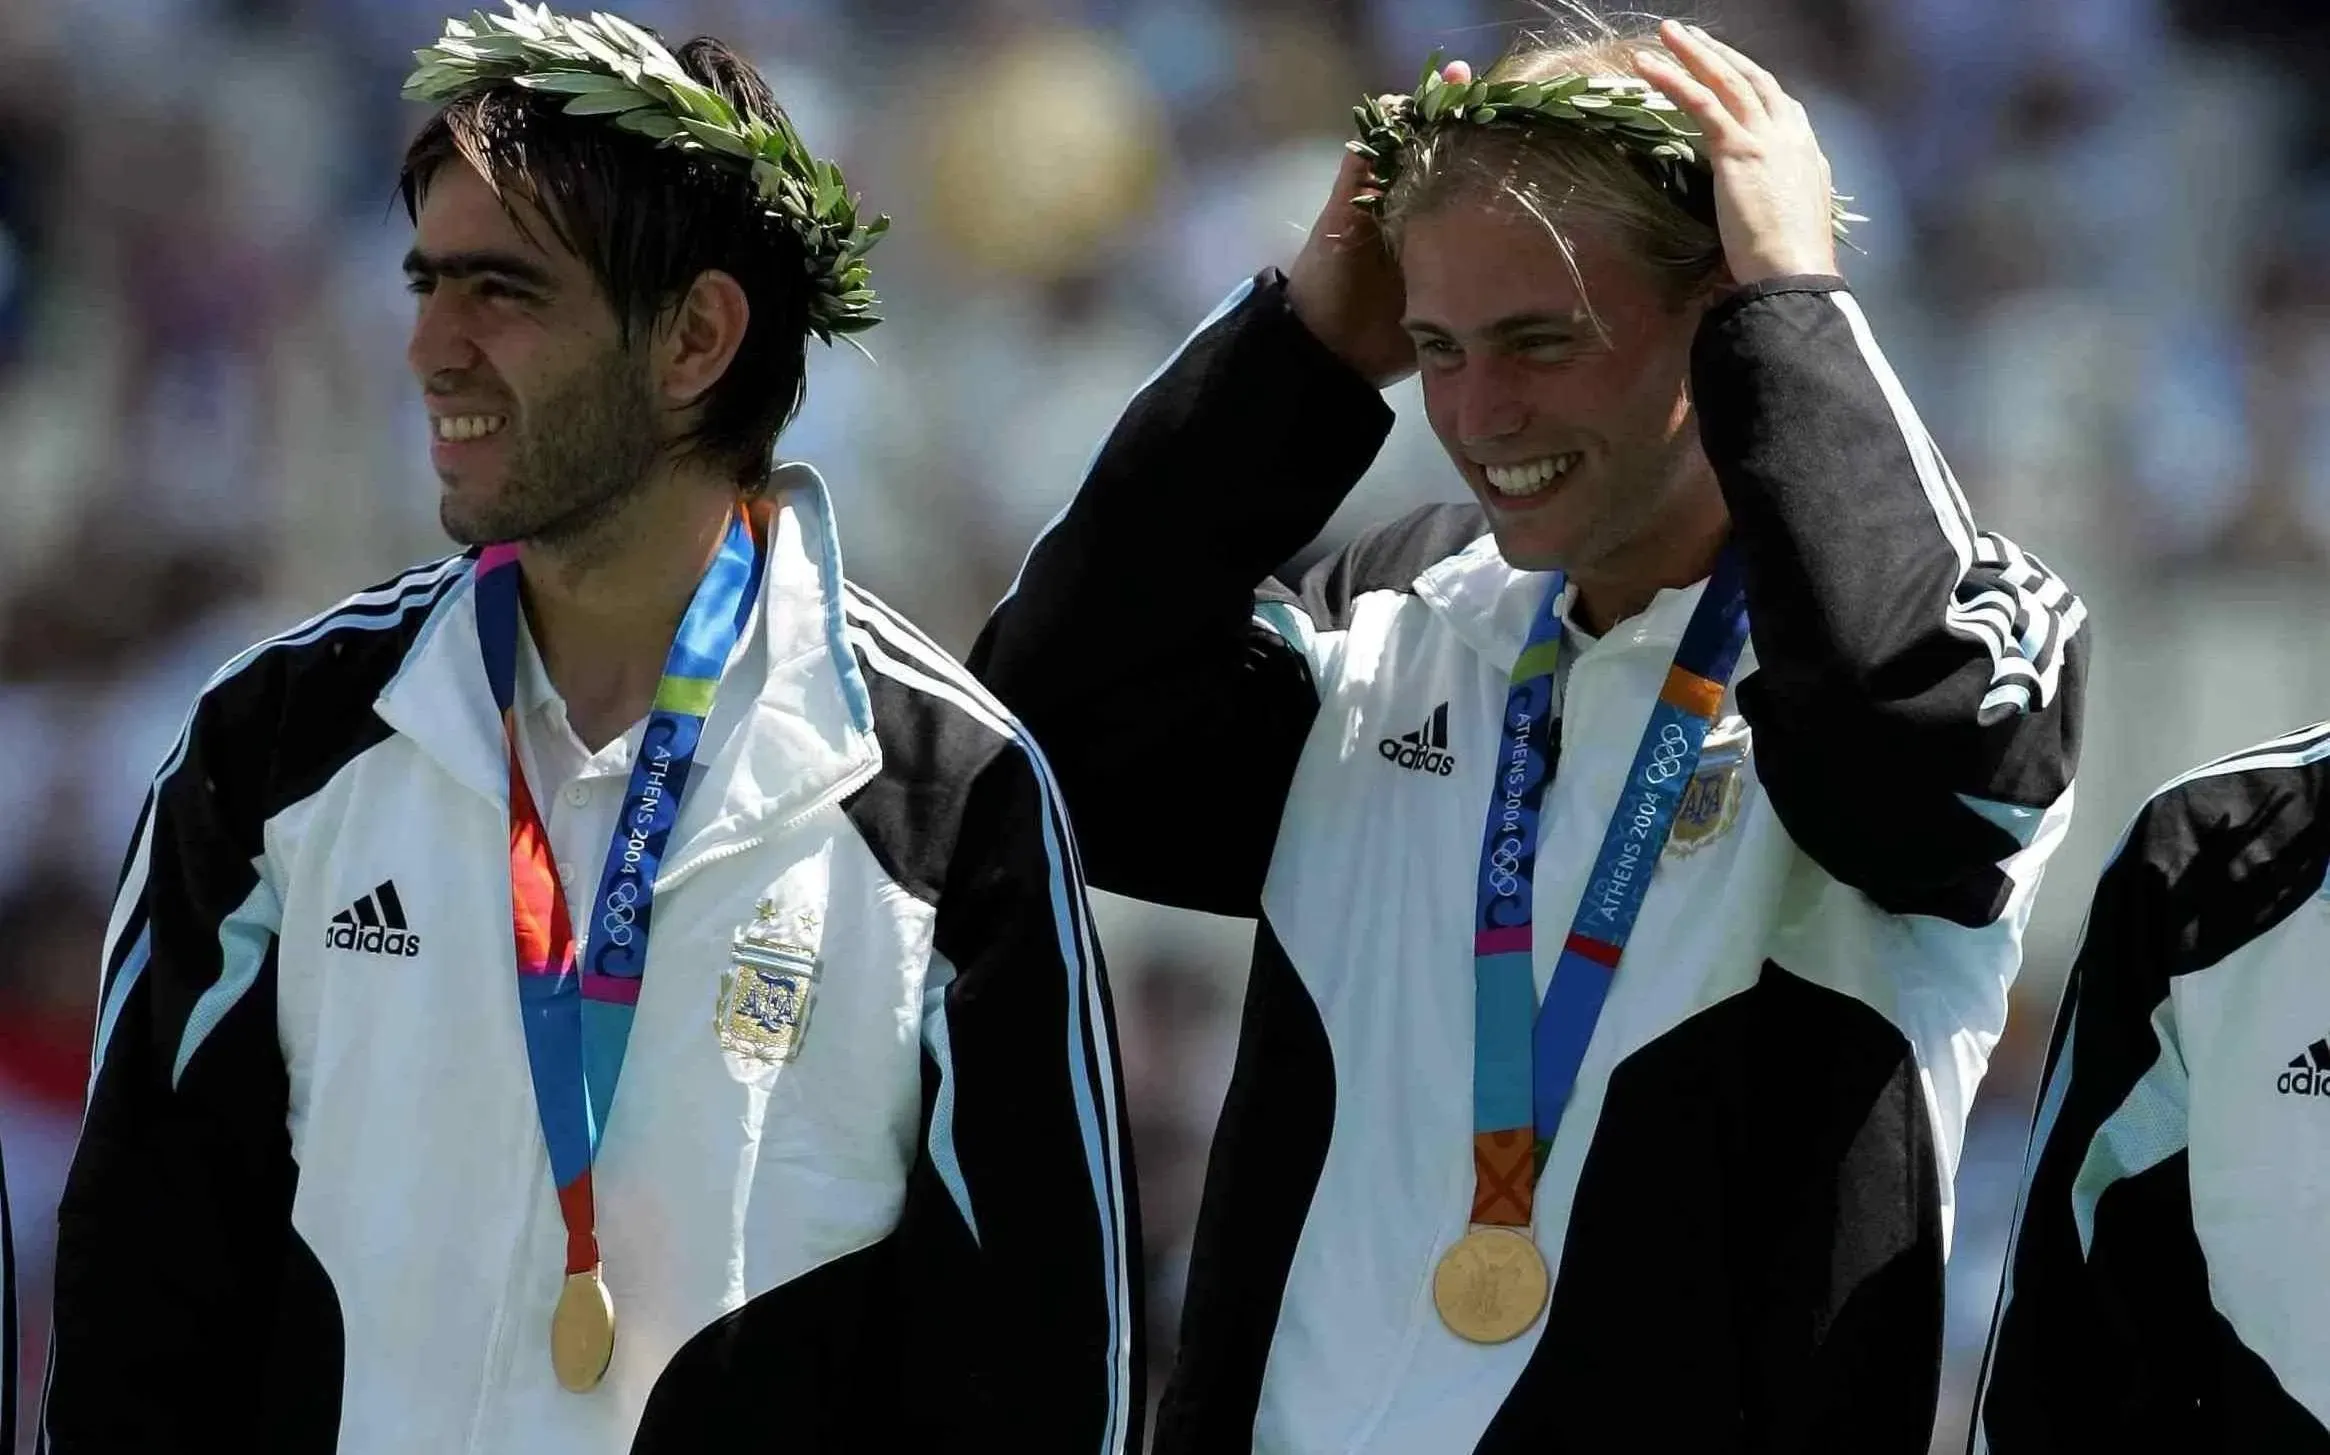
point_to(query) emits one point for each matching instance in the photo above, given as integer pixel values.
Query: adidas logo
(1425, 749)
(2309, 1073)
(374, 924)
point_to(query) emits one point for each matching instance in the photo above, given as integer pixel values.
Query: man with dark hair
(1622, 1115)
(355, 1174)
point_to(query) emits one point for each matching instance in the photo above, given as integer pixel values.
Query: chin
(1524, 556)
(466, 523)
(1534, 541)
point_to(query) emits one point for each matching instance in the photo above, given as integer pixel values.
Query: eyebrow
(480, 263)
(1513, 326)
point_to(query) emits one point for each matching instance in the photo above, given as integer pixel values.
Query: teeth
(456, 427)
(1531, 478)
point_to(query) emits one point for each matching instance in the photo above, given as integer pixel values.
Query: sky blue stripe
(243, 938)
(2298, 749)
(123, 983)
(48, 1378)
(2019, 821)
(1294, 627)
(1087, 1113)
(829, 582)
(1504, 1003)
(2146, 1129)
(943, 1154)
(1081, 1009)
(2042, 1127)
(2051, 1103)
(421, 639)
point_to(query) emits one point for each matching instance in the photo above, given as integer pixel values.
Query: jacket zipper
(856, 779)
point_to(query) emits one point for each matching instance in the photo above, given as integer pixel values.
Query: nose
(440, 345)
(1490, 403)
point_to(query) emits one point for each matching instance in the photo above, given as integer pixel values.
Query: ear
(696, 341)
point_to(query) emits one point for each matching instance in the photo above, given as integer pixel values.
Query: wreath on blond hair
(1627, 111)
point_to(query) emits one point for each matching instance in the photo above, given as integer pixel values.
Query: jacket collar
(1489, 605)
(810, 731)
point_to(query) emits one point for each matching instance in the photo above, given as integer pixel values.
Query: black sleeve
(1130, 645)
(1916, 698)
(172, 1234)
(2106, 1337)
(1022, 1197)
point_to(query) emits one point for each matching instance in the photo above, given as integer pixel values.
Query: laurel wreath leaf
(606, 66)
(1625, 109)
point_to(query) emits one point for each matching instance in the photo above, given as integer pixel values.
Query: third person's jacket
(2165, 1291)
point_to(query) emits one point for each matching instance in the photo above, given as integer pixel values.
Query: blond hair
(1561, 175)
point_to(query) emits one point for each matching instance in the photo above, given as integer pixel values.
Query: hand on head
(1771, 180)
(1345, 286)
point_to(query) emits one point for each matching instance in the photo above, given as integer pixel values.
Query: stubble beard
(1639, 493)
(584, 452)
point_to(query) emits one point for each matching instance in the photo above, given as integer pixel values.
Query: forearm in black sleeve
(1130, 644)
(1916, 696)
(173, 1227)
(1023, 1200)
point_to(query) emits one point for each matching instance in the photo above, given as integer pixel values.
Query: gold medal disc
(1491, 1285)
(582, 1331)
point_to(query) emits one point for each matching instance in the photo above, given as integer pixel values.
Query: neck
(1667, 556)
(604, 605)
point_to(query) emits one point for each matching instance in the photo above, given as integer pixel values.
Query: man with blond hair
(1627, 1118)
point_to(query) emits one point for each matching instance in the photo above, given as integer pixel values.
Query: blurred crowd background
(2094, 252)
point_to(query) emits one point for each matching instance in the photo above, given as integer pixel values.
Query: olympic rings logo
(1667, 754)
(622, 911)
(1505, 867)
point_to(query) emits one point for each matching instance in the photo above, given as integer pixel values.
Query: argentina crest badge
(767, 993)
(1711, 801)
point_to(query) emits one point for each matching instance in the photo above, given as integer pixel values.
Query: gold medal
(1491, 1285)
(582, 1331)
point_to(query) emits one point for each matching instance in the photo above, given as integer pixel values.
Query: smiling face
(1579, 442)
(543, 419)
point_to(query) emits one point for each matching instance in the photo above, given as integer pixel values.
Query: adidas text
(1426, 749)
(1418, 757)
(373, 925)
(373, 939)
(2308, 1082)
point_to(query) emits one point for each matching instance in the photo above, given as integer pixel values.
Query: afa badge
(765, 997)
(1711, 801)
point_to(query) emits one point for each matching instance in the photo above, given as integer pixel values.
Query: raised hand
(1771, 181)
(1345, 286)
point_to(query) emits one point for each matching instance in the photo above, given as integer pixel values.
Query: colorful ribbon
(577, 1013)
(1526, 1057)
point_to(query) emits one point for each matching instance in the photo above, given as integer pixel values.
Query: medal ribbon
(577, 1014)
(1526, 1057)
